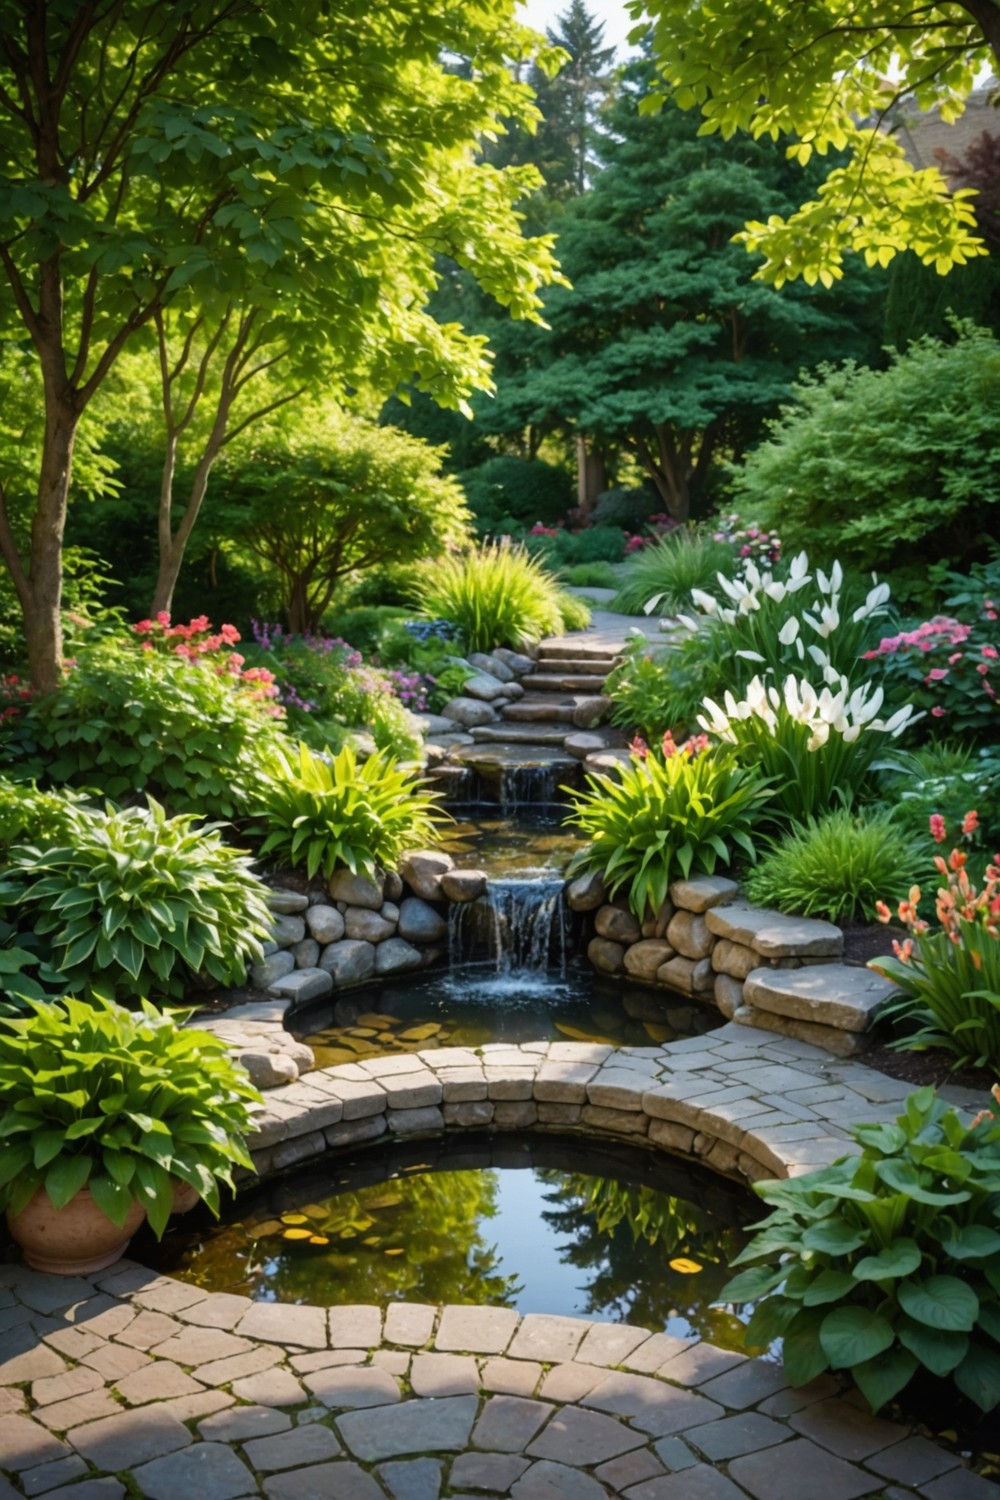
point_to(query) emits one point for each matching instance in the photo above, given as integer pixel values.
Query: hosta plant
(135, 903)
(949, 978)
(817, 746)
(669, 814)
(325, 812)
(121, 1102)
(888, 1261)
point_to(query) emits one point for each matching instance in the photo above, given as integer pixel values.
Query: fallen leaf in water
(658, 1033)
(393, 1252)
(293, 1219)
(420, 1033)
(318, 1239)
(297, 1234)
(576, 1035)
(685, 1266)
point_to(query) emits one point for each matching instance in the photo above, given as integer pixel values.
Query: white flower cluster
(747, 592)
(834, 709)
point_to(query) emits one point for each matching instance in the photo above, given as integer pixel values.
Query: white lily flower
(794, 584)
(788, 631)
(748, 604)
(851, 733)
(704, 601)
(716, 723)
(651, 604)
(799, 566)
(727, 616)
(864, 708)
(818, 655)
(831, 706)
(793, 702)
(836, 576)
(822, 581)
(831, 676)
(775, 591)
(734, 588)
(752, 574)
(819, 737)
(899, 721)
(751, 656)
(773, 697)
(688, 622)
(799, 649)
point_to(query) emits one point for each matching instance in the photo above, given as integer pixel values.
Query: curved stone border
(751, 1106)
(131, 1375)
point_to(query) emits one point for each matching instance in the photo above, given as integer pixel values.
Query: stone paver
(132, 1375)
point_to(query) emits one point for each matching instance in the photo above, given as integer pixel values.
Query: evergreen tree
(664, 345)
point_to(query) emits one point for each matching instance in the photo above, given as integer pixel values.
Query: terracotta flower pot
(72, 1240)
(185, 1197)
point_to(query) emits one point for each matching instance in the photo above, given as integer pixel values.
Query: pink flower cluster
(14, 694)
(749, 541)
(694, 745)
(937, 635)
(196, 641)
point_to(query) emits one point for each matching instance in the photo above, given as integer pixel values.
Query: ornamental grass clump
(498, 596)
(121, 1102)
(836, 866)
(663, 575)
(815, 746)
(325, 812)
(131, 902)
(685, 810)
(950, 977)
(888, 1262)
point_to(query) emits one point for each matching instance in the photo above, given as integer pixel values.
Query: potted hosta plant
(105, 1114)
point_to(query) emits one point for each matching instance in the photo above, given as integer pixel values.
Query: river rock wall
(759, 968)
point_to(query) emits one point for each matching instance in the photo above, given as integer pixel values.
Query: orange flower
(970, 822)
(882, 912)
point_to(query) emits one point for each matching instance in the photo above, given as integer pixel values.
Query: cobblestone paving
(130, 1383)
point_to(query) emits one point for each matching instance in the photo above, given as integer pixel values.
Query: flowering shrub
(196, 642)
(815, 746)
(185, 728)
(750, 540)
(325, 688)
(950, 977)
(949, 668)
(775, 625)
(679, 809)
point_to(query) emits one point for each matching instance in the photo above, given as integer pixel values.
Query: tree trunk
(42, 619)
(173, 544)
(590, 479)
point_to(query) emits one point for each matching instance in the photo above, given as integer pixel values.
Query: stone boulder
(395, 956)
(271, 969)
(469, 712)
(356, 890)
(519, 664)
(369, 926)
(644, 959)
(325, 923)
(482, 686)
(702, 892)
(306, 953)
(587, 892)
(287, 931)
(419, 922)
(589, 712)
(491, 665)
(303, 985)
(286, 902)
(422, 870)
(687, 931)
(349, 961)
(607, 957)
(463, 885)
(620, 926)
(837, 995)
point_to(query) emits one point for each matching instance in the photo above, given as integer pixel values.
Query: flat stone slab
(415, 1427)
(775, 936)
(211, 1471)
(829, 995)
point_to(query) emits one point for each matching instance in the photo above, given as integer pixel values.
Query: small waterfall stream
(519, 924)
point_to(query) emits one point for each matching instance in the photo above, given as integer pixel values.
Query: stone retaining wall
(759, 968)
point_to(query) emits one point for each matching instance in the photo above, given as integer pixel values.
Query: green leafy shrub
(27, 813)
(120, 1102)
(950, 978)
(128, 721)
(136, 903)
(325, 812)
(658, 688)
(668, 570)
(628, 509)
(574, 611)
(497, 596)
(836, 866)
(680, 812)
(594, 575)
(849, 469)
(364, 625)
(565, 549)
(815, 748)
(886, 1262)
(944, 780)
(522, 490)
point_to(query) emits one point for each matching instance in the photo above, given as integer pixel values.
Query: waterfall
(518, 924)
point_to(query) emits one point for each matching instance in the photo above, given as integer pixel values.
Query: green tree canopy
(664, 345)
(300, 165)
(826, 76)
(887, 467)
(320, 494)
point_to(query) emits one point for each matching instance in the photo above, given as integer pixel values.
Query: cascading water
(521, 925)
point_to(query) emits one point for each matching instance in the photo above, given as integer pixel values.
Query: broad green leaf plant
(124, 1103)
(887, 1262)
(135, 903)
(665, 816)
(325, 812)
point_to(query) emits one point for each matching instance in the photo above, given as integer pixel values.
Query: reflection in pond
(540, 1225)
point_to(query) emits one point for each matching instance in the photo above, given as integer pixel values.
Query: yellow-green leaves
(830, 77)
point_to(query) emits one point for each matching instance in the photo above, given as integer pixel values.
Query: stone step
(582, 666)
(544, 682)
(544, 710)
(520, 734)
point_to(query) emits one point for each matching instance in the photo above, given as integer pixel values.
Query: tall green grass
(499, 596)
(679, 562)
